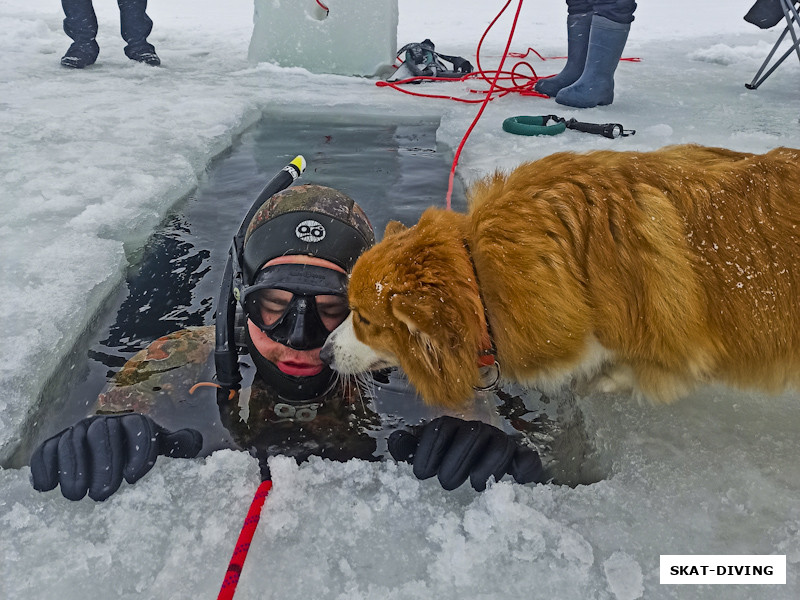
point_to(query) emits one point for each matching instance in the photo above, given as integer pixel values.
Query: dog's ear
(410, 312)
(393, 227)
(441, 360)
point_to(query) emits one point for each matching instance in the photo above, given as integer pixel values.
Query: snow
(91, 161)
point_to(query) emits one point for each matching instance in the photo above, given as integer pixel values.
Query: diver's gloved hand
(97, 452)
(455, 449)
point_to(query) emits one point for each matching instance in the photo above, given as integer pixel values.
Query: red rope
(243, 543)
(492, 87)
(520, 83)
(394, 85)
(529, 50)
(325, 8)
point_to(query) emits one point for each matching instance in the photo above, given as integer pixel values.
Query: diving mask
(297, 305)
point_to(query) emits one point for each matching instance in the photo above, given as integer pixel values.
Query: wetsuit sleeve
(165, 371)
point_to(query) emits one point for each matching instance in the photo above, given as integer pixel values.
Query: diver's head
(298, 250)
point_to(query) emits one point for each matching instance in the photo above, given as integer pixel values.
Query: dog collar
(487, 355)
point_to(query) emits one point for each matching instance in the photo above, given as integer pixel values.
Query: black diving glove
(455, 449)
(97, 452)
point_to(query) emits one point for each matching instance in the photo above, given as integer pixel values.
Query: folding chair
(792, 18)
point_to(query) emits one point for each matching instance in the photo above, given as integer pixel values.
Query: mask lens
(332, 310)
(267, 307)
(297, 305)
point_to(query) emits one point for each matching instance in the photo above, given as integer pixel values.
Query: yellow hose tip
(299, 162)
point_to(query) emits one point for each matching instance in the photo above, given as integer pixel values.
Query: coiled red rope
(520, 83)
(243, 543)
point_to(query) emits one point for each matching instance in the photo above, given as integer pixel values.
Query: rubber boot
(596, 85)
(578, 27)
(80, 24)
(135, 26)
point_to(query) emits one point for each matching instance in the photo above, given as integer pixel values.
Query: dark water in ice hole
(393, 171)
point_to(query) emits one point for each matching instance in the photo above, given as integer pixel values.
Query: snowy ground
(90, 161)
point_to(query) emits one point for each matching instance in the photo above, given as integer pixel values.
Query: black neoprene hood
(307, 220)
(327, 238)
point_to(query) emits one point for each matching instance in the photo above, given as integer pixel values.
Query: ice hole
(394, 170)
(391, 167)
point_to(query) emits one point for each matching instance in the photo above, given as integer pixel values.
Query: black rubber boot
(144, 54)
(578, 27)
(80, 55)
(596, 85)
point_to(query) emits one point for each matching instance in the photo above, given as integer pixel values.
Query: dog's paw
(608, 385)
(618, 379)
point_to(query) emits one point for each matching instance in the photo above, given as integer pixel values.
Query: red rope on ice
(325, 8)
(243, 543)
(520, 83)
(492, 87)
(529, 50)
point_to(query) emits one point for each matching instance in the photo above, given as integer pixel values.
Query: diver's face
(298, 363)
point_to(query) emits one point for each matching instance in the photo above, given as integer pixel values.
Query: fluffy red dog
(651, 271)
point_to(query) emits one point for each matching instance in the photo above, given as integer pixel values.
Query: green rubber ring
(532, 126)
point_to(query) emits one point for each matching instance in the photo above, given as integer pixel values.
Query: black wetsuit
(353, 420)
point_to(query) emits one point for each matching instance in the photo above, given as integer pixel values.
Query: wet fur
(651, 271)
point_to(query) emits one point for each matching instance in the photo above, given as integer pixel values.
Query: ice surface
(355, 37)
(90, 161)
(624, 576)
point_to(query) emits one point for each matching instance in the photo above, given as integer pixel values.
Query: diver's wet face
(298, 363)
(288, 274)
(292, 306)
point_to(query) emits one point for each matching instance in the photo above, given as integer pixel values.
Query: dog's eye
(361, 318)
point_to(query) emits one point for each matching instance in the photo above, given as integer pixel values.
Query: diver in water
(254, 381)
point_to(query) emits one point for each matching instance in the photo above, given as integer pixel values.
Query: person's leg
(607, 40)
(80, 24)
(579, 22)
(135, 26)
(619, 11)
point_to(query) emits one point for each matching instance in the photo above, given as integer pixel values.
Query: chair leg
(791, 13)
(792, 20)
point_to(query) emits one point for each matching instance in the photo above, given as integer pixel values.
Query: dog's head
(415, 304)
